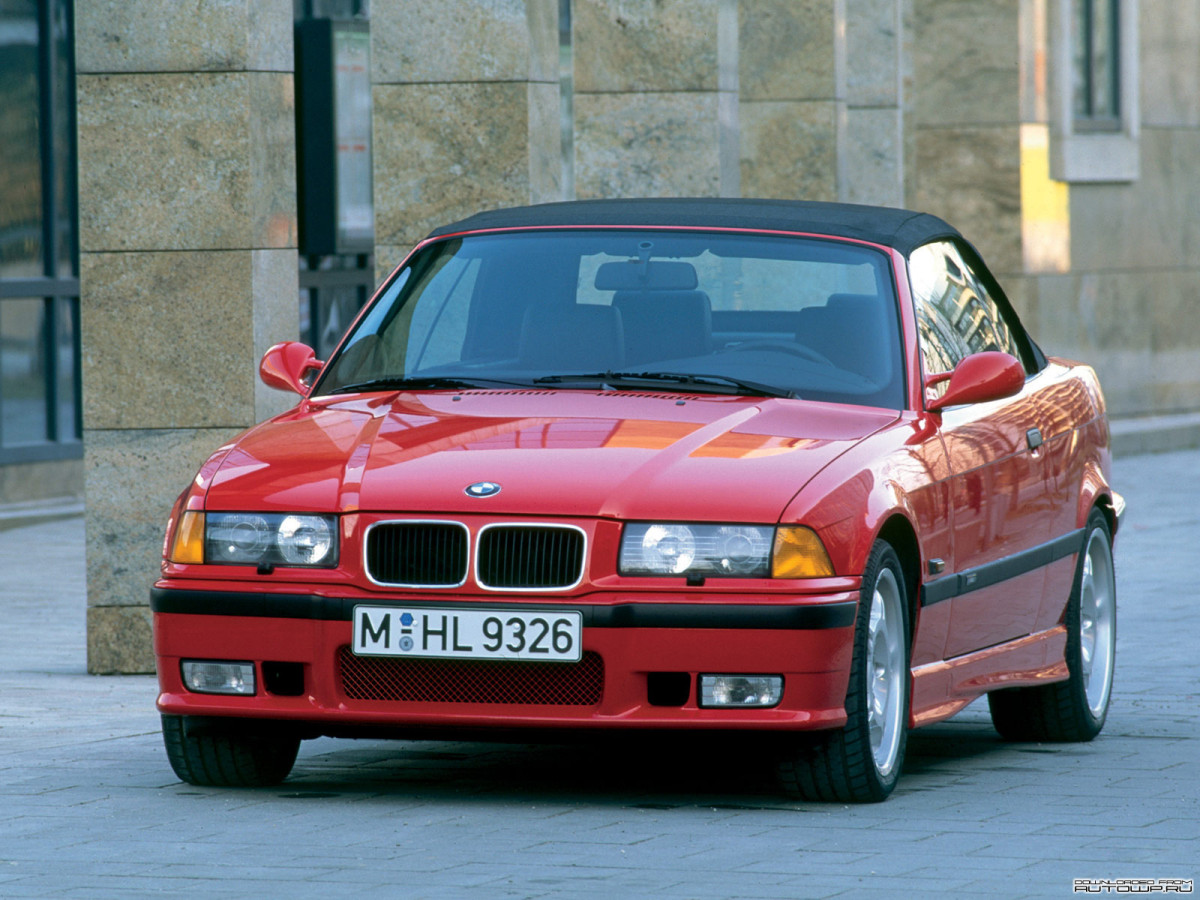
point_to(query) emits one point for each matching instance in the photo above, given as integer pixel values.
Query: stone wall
(187, 188)
(962, 123)
(655, 98)
(788, 99)
(466, 106)
(188, 269)
(1128, 302)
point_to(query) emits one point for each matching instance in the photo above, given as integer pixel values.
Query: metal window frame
(322, 270)
(51, 288)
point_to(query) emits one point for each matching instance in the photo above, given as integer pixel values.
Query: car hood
(557, 452)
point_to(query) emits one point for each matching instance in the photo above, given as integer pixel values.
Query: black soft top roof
(899, 228)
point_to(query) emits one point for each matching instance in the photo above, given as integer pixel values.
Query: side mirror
(981, 377)
(285, 366)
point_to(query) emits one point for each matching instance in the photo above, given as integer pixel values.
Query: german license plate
(546, 635)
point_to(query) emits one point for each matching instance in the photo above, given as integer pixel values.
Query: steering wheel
(795, 348)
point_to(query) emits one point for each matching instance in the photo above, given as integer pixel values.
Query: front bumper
(808, 640)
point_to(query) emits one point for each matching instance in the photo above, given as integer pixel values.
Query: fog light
(740, 690)
(206, 676)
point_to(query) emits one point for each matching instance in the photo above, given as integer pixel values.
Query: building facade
(1062, 137)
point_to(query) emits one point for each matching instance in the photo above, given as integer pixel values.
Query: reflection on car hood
(564, 453)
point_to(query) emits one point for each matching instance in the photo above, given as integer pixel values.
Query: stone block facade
(188, 269)
(187, 185)
(466, 105)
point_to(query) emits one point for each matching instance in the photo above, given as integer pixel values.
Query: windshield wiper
(431, 382)
(705, 383)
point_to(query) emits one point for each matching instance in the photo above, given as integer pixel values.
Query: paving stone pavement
(90, 808)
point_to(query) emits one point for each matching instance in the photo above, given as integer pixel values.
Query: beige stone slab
(132, 478)
(545, 144)
(786, 50)
(1081, 315)
(971, 178)
(964, 62)
(191, 161)
(1150, 309)
(647, 145)
(1170, 73)
(624, 46)
(170, 338)
(120, 641)
(445, 151)
(1138, 329)
(789, 149)
(871, 169)
(157, 36)
(1151, 223)
(873, 43)
(417, 42)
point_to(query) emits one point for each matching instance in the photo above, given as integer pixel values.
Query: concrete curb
(34, 512)
(1155, 434)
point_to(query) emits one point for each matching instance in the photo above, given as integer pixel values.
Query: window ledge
(1095, 158)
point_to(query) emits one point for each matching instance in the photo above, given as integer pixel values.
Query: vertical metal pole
(1089, 59)
(47, 106)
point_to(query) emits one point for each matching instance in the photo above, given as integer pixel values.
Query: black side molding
(959, 583)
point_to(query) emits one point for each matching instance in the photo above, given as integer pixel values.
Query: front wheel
(861, 762)
(228, 759)
(1075, 709)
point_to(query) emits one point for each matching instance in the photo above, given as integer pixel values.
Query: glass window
(1095, 40)
(956, 315)
(39, 287)
(21, 246)
(810, 318)
(67, 347)
(22, 372)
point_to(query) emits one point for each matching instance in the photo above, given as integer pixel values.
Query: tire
(1075, 709)
(228, 759)
(861, 762)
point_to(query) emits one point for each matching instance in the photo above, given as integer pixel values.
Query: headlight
(739, 551)
(722, 551)
(277, 539)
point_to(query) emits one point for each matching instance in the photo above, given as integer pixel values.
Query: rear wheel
(861, 762)
(228, 759)
(1075, 709)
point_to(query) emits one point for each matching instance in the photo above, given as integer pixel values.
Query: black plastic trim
(622, 615)
(980, 577)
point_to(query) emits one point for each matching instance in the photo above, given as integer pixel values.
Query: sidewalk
(90, 808)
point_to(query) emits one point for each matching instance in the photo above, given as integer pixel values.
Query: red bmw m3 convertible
(785, 468)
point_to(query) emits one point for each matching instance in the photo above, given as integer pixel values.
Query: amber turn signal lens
(188, 547)
(799, 553)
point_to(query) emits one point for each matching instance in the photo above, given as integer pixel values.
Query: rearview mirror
(981, 377)
(285, 366)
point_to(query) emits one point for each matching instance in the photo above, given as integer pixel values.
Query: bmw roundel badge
(482, 489)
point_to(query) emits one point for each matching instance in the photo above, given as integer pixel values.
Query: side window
(956, 315)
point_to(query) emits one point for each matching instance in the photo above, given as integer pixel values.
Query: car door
(999, 481)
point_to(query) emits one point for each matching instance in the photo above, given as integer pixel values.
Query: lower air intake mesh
(468, 681)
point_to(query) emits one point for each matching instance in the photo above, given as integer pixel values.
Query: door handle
(1033, 437)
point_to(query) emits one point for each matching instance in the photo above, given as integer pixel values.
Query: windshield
(634, 309)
